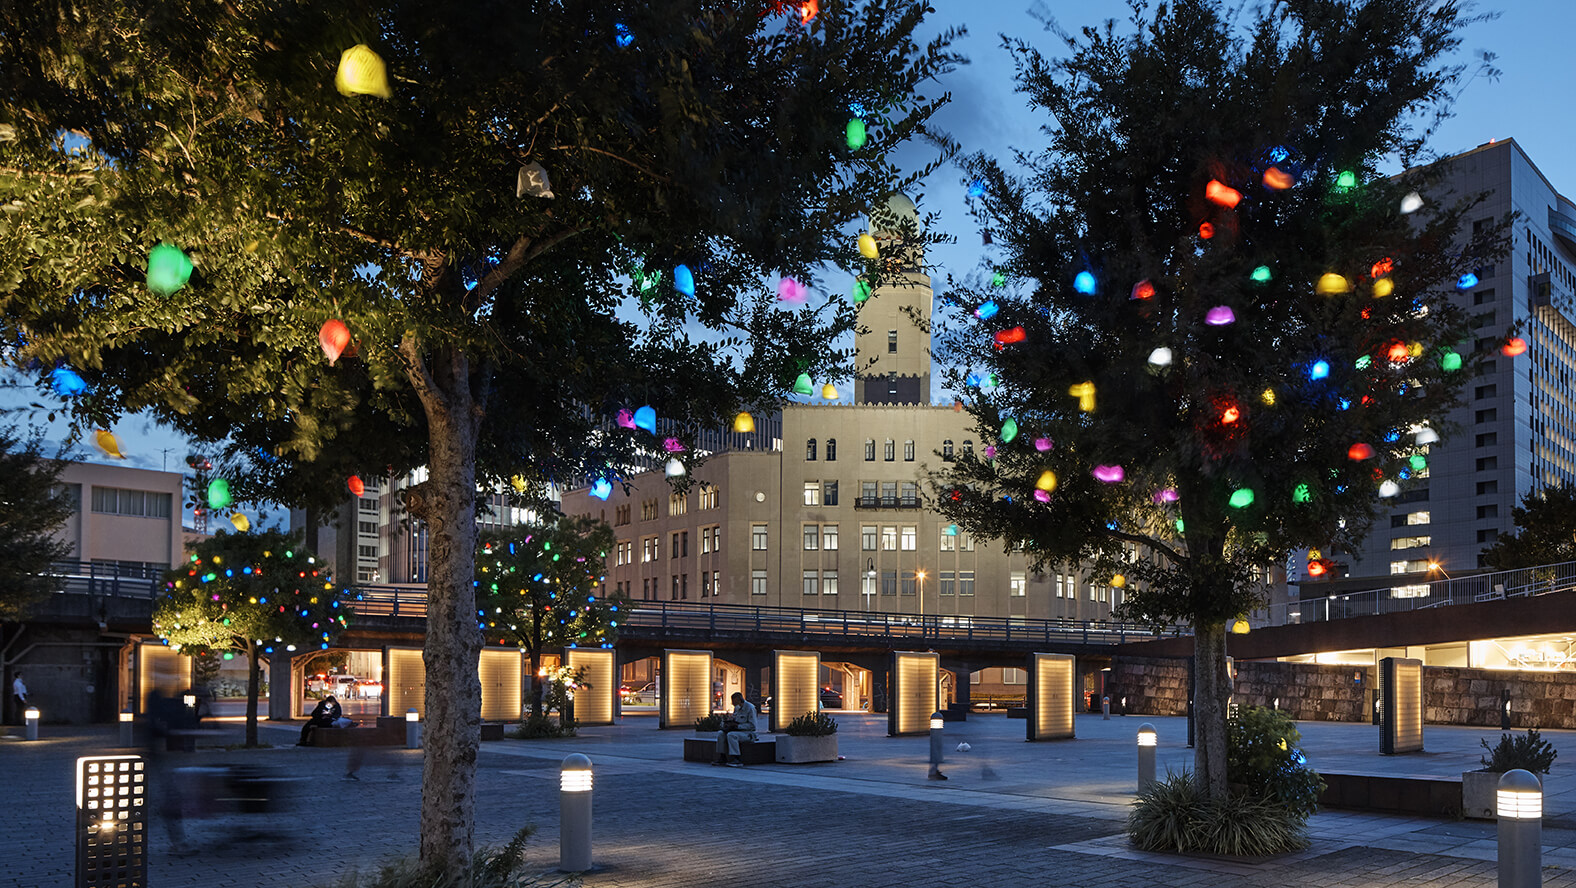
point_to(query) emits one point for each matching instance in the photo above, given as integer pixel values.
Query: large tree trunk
(447, 503)
(1211, 693)
(254, 682)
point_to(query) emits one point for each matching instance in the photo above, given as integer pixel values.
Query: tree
(1215, 334)
(250, 593)
(33, 507)
(483, 226)
(1546, 520)
(538, 585)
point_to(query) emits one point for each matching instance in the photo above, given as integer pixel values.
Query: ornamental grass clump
(1528, 752)
(812, 724)
(491, 867)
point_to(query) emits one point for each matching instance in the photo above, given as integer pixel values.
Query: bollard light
(30, 716)
(190, 700)
(937, 724)
(574, 814)
(412, 728)
(126, 738)
(1105, 707)
(1147, 740)
(1519, 804)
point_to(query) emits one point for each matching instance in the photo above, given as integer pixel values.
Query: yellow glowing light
(1383, 287)
(1332, 284)
(1084, 392)
(867, 247)
(1047, 481)
(361, 72)
(1268, 397)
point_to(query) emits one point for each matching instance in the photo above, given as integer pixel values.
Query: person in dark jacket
(326, 711)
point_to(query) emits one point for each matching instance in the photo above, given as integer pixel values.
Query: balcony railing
(889, 502)
(1408, 596)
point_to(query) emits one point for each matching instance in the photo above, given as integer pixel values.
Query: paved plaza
(1012, 813)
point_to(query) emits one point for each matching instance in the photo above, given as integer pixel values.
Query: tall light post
(920, 575)
(870, 574)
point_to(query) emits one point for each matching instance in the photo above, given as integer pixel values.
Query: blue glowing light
(977, 188)
(1084, 283)
(986, 311)
(1319, 370)
(622, 35)
(1467, 281)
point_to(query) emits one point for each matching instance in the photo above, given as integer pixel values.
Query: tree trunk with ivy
(254, 683)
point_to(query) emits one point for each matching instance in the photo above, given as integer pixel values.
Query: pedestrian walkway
(1014, 812)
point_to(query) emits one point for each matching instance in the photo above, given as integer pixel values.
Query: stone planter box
(800, 750)
(1479, 790)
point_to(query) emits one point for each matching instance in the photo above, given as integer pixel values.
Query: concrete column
(282, 687)
(960, 683)
(880, 676)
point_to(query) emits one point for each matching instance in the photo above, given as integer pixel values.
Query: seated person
(326, 711)
(738, 725)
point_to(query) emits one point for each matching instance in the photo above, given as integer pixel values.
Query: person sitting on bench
(323, 716)
(736, 727)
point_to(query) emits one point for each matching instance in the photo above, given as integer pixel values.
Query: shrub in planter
(812, 724)
(542, 727)
(1528, 752)
(1262, 756)
(1174, 815)
(811, 737)
(708, 723)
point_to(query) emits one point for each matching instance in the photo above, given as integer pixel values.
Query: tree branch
(420, 378)
(520, 253)
(652, 173)
(1171, 554)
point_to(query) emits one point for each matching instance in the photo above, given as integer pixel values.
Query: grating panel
(112, 821)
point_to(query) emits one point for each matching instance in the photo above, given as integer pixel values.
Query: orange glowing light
(1206, 231)
(1143, 290)
(1382, 267)
(1277, 179)
(1514, 347)
(1220, 193)
(1359, 452)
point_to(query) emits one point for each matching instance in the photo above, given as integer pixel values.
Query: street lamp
(870, 574)
(1436, 566)
(920, 575)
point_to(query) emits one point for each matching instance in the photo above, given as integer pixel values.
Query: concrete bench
(1424, 794)
(704, 749)
(389, 731)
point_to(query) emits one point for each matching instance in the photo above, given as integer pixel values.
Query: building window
(367, 551)
(910, 537)
(829, 492)
(758, 537)
(758, 581)
(889, 493)
(889, 582)
(678, 504)
(1489, 415)
(1061, 586)
(946, 449)
(812, 583)
(648, 510)
(1487, 536)
(867, 494)
(870, 450)
(812, 493)
(890, 450)
(1487, 487)
(1487, 439)
(812, 537)
(908, 451)
(705, 584)
(867, 537)
(1487, 463)
(892, 384)
(1019, 584)
(708, 497)
(828, 582)
(1488, 511)
(829, 537)
(648, 550)
(948, 582)
(370, 528)
(891, 342)
(908, 582)
(965, 582)
(1012, 675)
(867, 586)
(1415, 542)
(831, 450)
(621, 515)
(675, 545)
(910, 495)
(683, 587)
(365, 504)
(968, 541)
(949, 541)
(809, 450)
(889, 539)
(1413, 566)
(705, 540)
(1485, 391)
(968, 448)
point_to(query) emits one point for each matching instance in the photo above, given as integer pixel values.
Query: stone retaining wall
(1451, 695)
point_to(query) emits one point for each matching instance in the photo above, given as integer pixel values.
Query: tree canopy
(1214, 333)
(33, 510)
(361, 238)
(1546, 531)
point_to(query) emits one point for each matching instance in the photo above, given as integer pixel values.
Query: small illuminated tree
(537, 589)
(250, 593)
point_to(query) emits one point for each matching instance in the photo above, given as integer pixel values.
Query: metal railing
(1402, 597)
(114, 580)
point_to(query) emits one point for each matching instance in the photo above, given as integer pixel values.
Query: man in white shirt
(19, 695)
(736, 727)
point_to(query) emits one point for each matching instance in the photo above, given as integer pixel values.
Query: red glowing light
(1382, 267)
(1206, 231)
(1360, 452)
(1514, 347)
(1143, 290)
(1219, 193)
(1005, 337)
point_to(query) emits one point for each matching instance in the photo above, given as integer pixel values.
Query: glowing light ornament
(1332, 284)
(1084, 392)
(803, 385)
(1319, 370)
(1046, 482)
(1143, 290)
(1411, 203)
(829, 392)
(1230, 415)
(646, 418)
(168, 269)
(1007, 337)
(241, 522)
(807, 10)
(1467, 281)
(744, 423)
(997, 279)
(1043, 445)
(622, 36)
(1382, 267)
(601, 488)
(626, 419)
(532, 179)
(990, 451)
(987, 310)
(1160, 357)
(1206, 230)
(1277, 179)
(977, 188)
(1220, 316)
(1302, 494)
(675, 468)
(861, 291)
(673, 445)
(518, 483)
(1363, 362)
(1108, 474)
(361, 72)
(1009, 430)
(66, 382)
(1359, 452)
(1389, 488)
(1261, 275)
(1221, 194)
(1417, 461)
(1165, 495)
(867, 247)
(790, 290)
(1346, 180)
(356, 487)
(684, 280)
(1268, 397)
(219, 494)
(1383, 287)
(1513, 347)
(1241, 498)
(1042, 496)
(855, 134)
(1084, 283)
(1450, 361)
(332, 337)
(107, 443)
(1118, 581)
(1397, 353)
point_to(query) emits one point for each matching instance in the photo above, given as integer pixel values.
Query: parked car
(831, 699)
(638, 693)
(368, 689)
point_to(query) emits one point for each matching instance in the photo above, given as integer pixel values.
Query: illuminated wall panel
(594, 701)
(502, 696)
(1052, 679)
(796, 686)
(1401, 705)
(161, 668)
(686, 688)
(916, 692)
(404, 681)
